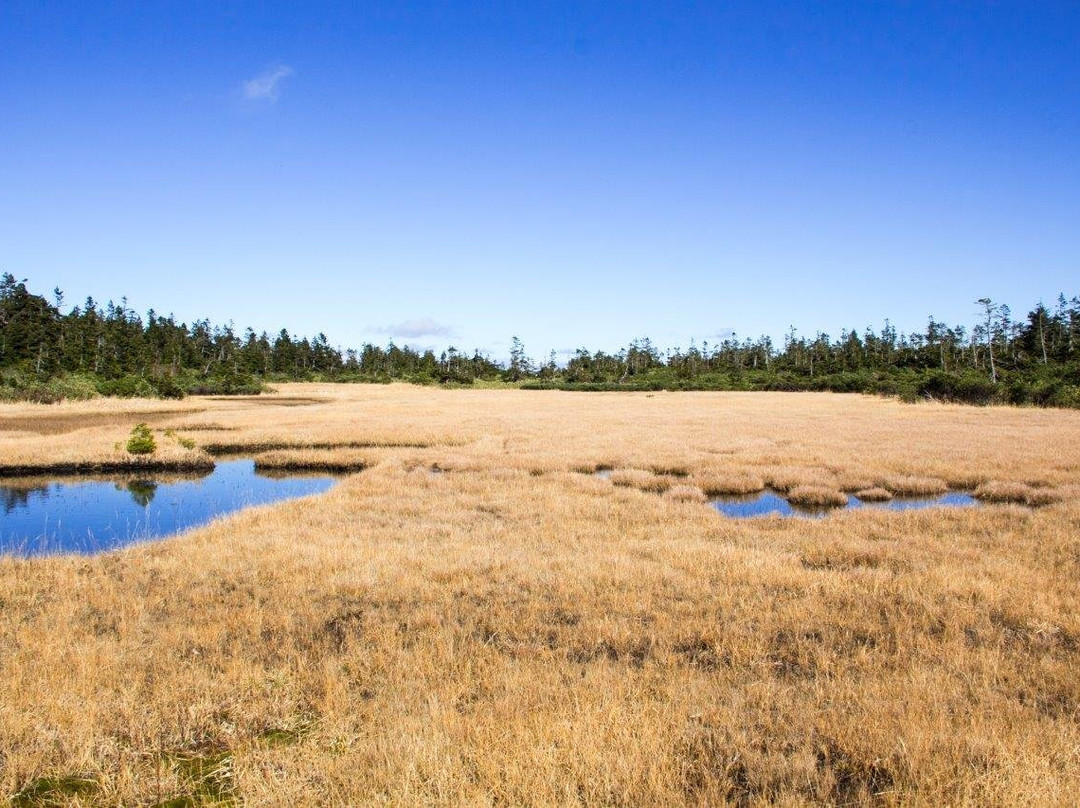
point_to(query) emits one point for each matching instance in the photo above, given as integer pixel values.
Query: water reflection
(142, 491)
(14, 498)
(42, 516)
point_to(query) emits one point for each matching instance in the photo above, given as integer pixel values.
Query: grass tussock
(338, 461)
(816, 496)
(671, 468)
(851, 481)
(642, 480)
(720, 484)
(685, 493)
(874, 494)
(1019, 493)
(911, 486)
(493, 636)
(593, 466)
(242, 445)
(785, 479)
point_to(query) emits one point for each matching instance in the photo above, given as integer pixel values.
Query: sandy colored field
(516, 630)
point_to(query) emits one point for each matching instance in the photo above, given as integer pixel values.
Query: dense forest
(48, 355)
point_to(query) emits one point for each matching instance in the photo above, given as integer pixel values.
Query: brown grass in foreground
(513, 631)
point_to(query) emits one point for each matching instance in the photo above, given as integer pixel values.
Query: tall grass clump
(719, 484)
(911, 486)
(641, 479)
(874, 494)
(1018, 493)
(817, 496)
(685, 493)
(787, 479)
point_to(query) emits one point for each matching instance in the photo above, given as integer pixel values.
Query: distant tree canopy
(47, 355)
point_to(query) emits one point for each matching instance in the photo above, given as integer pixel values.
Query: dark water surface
(768, 502)
(88, 516)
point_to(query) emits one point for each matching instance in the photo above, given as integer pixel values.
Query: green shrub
(141, 440)
(74, 387)
(226, 383)
(16, 386)
(167, 387)
(127, 387)
(187, 443)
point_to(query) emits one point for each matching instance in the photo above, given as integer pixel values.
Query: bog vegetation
(48, 355)
(515, 629)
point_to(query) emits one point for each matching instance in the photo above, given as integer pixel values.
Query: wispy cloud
(422, 327)
(266, 85)
(722, 334)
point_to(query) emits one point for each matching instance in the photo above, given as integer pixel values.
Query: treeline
(1035, 360)
(47, 355)
(94, 349)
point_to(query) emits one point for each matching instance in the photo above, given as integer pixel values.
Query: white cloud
(265, 86)
(723, 334)
(422, 327)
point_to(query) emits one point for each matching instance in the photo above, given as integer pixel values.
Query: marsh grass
(642, 480)
(56, 790)
(784, 480)
(719, 484)
(685, 493)
(490, 635)
(1016, 492)
(338, 461)
(816, 496)
(874, 494)
(912, 486)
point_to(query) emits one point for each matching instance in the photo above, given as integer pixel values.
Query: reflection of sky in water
(768, 502)
(90, 516)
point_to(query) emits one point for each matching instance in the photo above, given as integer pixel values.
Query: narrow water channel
(770, 503)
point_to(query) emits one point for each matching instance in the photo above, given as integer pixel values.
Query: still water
(768, 502)
(88, 516)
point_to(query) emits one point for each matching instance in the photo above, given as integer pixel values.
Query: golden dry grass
(332, 460)
(1016, 492)
(641, 480)
(875, 494)
(516, 632)
(912, 486)
(718, 484)
(685, 493)
(816, 496)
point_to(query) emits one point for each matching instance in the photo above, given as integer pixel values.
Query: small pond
(77, 515)
(769, 502)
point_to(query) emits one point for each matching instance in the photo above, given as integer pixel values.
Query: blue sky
(578, 174)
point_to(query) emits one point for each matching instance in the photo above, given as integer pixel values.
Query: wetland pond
(768, 503)
(79, 515)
